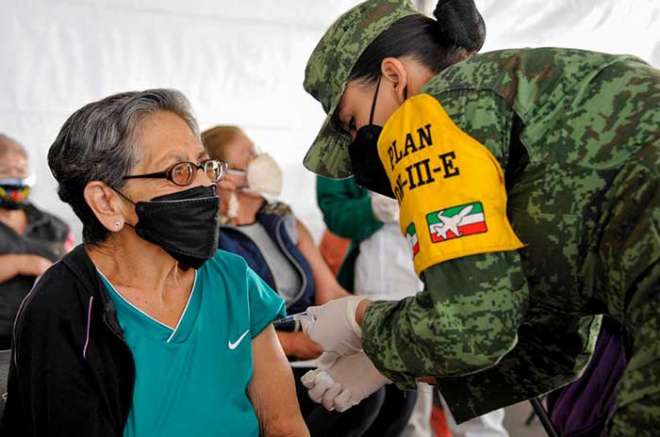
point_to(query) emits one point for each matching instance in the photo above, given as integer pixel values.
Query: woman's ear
(394, 71)
(106, 205)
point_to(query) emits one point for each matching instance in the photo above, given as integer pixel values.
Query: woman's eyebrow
(170, 157)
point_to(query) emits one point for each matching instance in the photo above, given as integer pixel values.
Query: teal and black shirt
(192, 379)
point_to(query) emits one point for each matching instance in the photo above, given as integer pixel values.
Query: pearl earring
(117, 225)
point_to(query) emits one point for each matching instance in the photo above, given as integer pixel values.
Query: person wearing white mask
(280, 249)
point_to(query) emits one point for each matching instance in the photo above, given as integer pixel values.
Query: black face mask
(184, 224)
(367, 167)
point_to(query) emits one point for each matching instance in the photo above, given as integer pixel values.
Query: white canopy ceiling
(238, 62)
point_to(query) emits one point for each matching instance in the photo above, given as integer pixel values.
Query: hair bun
(460, 23)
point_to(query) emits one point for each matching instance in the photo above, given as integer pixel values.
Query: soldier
(528, 187)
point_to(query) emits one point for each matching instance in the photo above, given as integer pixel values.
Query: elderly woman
(30, 239)
(145, 329)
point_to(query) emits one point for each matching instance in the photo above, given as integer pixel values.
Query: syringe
(294, 318)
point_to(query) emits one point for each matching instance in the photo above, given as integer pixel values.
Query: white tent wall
(239, 62)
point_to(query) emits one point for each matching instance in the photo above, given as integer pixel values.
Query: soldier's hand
(345, 383)
(333, 326)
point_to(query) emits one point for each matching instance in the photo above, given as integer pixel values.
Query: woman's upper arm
(326, 285)
(272, 389)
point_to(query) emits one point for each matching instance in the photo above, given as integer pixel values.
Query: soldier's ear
(394, 71)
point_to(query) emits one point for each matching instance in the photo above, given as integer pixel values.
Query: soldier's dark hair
(457, 30)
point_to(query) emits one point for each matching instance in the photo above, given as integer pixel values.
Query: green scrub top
(192, 380)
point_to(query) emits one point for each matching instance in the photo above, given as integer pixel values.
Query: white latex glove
(318, 380)
(333, 325)
(348, 381)
(384, 208)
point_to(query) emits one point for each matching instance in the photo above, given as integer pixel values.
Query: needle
(293, 318)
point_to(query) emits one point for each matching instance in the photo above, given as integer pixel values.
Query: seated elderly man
(146, 329)
(30, 239)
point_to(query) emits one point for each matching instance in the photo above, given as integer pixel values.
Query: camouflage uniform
(577, 135)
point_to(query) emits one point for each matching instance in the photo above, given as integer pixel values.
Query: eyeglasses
(183, 173)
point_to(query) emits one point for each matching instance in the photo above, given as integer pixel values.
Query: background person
(348, 213)
(376, 264)
(146, 328)
(30, 238)
(280, 249)
(333, 249)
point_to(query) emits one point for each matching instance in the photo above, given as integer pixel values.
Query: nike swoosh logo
(234, 345)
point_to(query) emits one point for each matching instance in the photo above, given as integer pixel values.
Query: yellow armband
(449, 186)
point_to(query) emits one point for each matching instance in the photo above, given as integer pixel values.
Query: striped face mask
(14, 193)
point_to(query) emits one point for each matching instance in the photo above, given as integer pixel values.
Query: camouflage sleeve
(464, 321)
(552, 350)
(467, 317)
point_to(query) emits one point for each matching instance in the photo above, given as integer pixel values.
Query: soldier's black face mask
(367, 167)
(184, 224)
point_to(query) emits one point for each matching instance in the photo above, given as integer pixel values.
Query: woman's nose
(202, 179)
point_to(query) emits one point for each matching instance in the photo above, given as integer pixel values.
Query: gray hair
(97, 143)
(9, 145)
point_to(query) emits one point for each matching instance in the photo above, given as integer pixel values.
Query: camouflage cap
(328, 69)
